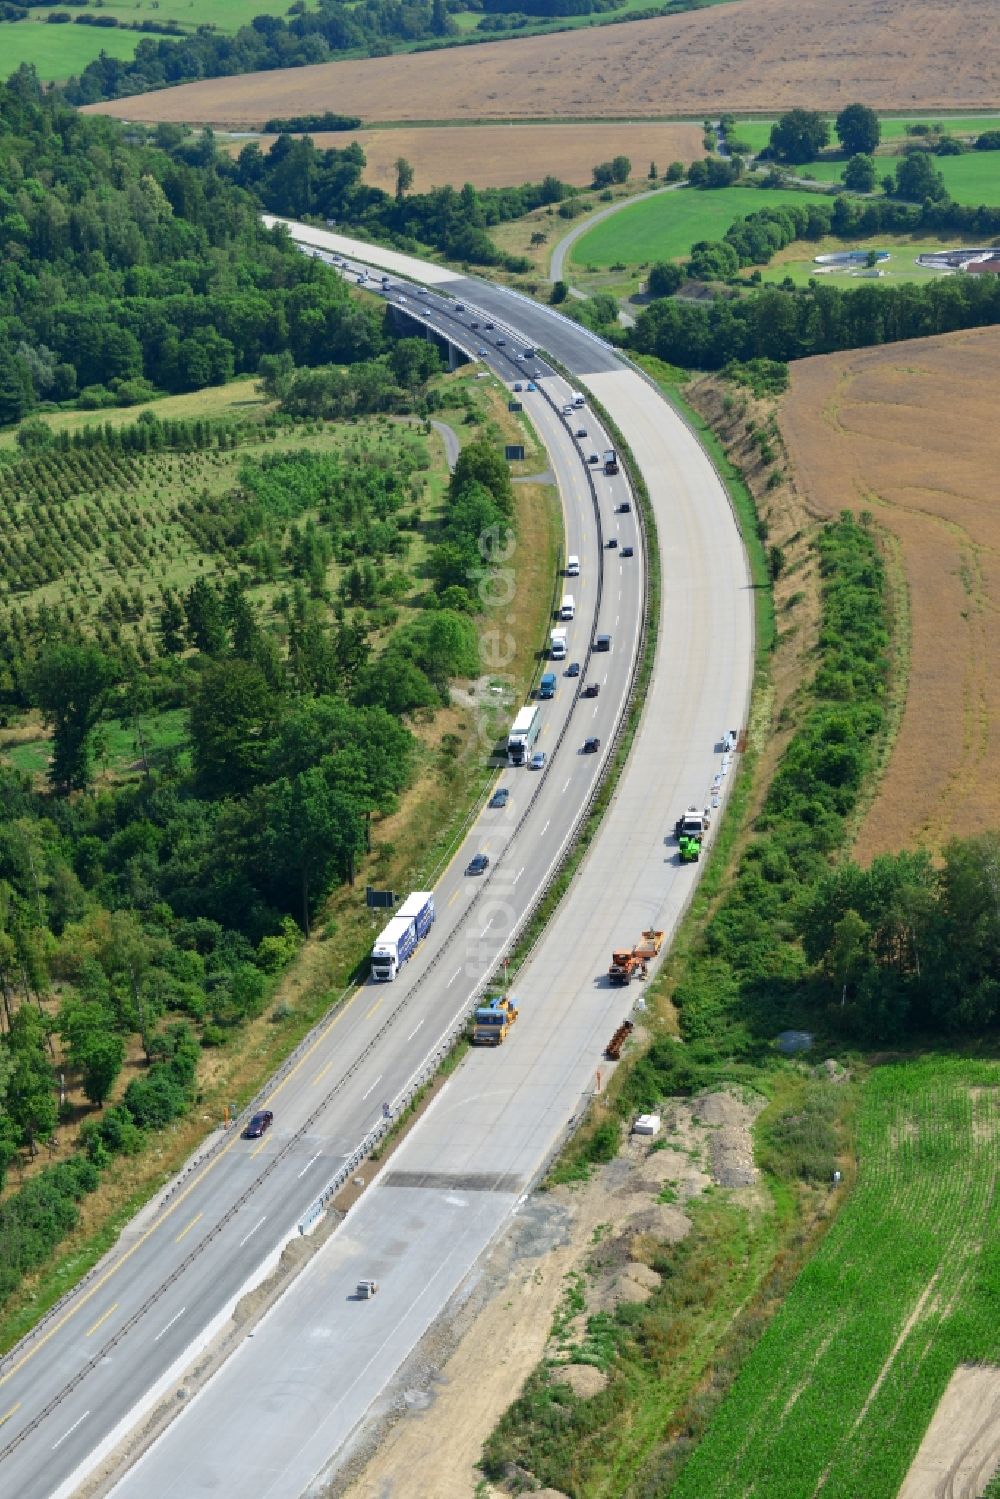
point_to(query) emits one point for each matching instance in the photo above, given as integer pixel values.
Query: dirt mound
(583, 1379)
(633, 1281)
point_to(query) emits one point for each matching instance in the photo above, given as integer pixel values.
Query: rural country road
(452, 446)
(556, 264)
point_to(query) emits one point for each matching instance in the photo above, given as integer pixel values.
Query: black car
(478, 864)
(489, 325)
(627, 552)
(593, 458)
(573, 669)
(581, 431)
(501, 342)
(591, 690)
(500, 797)
(474, 325)
(602, 643)
(261, 1121)
(612, 544)
(624, 508)
(591, 746)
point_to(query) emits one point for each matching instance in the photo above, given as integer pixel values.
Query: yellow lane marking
(91, 1330)
(453, 898)
(190, 1226)
(374, 1007)
(322, 1072)
(7, 1414)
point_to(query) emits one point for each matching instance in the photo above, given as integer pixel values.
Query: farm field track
(838, 1393)
(758, 55)
(504, 155)
(907, 432)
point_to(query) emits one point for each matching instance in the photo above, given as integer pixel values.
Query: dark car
(627, 552)
(459, 306)
(591, 690)
(624, 508)
(593, 458)
(478, 864)
(489, 325)
(602, 643)
(591, 746)
(261, 1121)
(500, 797)
(473, 324)
(581, 431)
(612, 544)
(573, 669)
(501, 342)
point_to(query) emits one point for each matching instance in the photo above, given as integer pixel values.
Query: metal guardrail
(427, 1069)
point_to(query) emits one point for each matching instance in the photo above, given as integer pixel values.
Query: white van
(572, 566)
(577, 399)
(567, 609)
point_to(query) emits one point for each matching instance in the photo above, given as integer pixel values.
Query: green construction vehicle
(690, 849)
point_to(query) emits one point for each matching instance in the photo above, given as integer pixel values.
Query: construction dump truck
(493, 1020)
(627, 965)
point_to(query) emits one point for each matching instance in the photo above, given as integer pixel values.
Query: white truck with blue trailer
(398, 941)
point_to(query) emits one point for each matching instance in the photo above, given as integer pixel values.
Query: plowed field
(750, 55)
(909, 432)
(504, 155)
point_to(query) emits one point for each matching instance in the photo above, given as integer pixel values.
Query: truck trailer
(393, 946)
(522, 736)
(419, 906)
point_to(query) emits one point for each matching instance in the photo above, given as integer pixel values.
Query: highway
(283, 1409)
(94, 1366)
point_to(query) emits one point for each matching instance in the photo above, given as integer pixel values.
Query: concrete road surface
(92, 1367)
(278, 1414)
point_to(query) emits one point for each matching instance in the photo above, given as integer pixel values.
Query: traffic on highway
(74, 1386)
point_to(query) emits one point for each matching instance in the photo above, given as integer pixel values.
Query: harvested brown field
(504, 155)
(908, 432)
(751, 55)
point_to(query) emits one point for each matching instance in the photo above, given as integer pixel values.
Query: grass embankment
(408, 851)
(738, 981)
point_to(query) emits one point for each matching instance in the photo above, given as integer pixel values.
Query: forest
(127, 270)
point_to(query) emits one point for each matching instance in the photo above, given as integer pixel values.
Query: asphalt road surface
(281, 1410)
(91, 1369)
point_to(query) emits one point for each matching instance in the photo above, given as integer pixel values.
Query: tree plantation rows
(278, 585)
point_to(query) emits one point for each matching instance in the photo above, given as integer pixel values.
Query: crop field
(57, 52)
(505, 155)
(768, 55)
(665, 225)
(838, 1393)
(907, 431)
